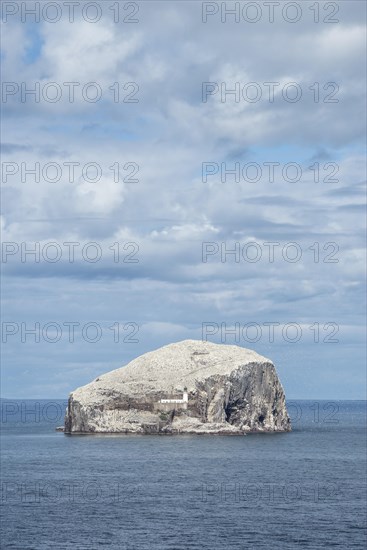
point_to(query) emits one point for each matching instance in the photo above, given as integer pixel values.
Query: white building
(184, 400)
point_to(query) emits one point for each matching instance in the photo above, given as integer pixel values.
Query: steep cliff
(213, 388)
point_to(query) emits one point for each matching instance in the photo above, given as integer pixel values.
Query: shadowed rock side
(186, 387)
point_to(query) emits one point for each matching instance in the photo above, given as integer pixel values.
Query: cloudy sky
(136, 164)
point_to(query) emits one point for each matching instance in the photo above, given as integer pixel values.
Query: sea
(303, 489)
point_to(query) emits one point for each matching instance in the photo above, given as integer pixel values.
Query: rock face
(208, 388)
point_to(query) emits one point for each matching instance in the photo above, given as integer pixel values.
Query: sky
(159, 143)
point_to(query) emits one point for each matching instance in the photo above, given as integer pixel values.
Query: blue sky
(170, 212)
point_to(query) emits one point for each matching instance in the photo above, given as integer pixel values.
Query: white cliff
(186, 387)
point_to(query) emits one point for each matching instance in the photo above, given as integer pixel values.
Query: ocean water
(304, 489)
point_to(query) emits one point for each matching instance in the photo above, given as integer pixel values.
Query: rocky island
(186, 387)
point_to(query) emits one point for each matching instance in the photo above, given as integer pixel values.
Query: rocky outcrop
(212, 388)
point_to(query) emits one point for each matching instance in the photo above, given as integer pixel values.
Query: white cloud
(169, 212)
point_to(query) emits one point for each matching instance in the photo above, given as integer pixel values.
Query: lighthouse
(185, 398)
(184, 401)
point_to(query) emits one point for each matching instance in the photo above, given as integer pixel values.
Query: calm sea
(305, 489)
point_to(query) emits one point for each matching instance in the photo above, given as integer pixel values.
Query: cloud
(165, 207)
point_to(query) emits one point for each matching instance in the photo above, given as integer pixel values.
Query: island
(188, 387)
